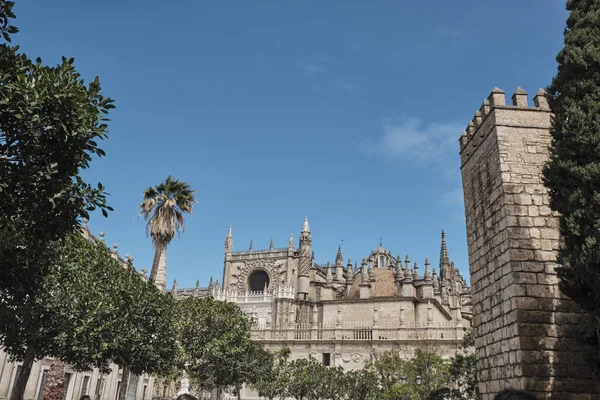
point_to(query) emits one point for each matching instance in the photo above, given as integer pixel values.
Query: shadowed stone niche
(524, 328)
(258, 280)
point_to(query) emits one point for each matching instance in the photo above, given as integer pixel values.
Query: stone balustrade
(358, 332)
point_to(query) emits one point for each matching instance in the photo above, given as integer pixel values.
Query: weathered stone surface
(524, 326)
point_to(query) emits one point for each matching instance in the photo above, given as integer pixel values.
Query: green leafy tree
(418, 377)
(390, 368)
(50, 125)
(147, 336)
(273, 383)
(6, 14)
(216, 343)
(334, 384)
(305, 379)
(164, 207)
(362, 385)
(573, 172)
(91, 310)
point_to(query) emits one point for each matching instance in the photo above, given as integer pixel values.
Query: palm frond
(164, 207)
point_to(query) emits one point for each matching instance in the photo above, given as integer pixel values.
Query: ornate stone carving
(243, 271)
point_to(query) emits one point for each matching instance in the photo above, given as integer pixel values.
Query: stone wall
(524, 327)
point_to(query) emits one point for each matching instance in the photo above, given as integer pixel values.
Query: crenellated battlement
(494, 112)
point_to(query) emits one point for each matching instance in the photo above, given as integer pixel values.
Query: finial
(229, 232)
(198, 283)
(115, 246)
(329, 278)
(210, 283)
(427, 270)
(291, 241)
(144, 271)
(312, 255)
(251, 248)
(349, 264)
(174, 288)
(408, 274)
(102, 236)
(271, 245)
(399, 271)
(305, 227)
(416, 271)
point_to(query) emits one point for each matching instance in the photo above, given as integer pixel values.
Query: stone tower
(523, 325)
(305, 262)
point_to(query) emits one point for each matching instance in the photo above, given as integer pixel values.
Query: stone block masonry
(524, 327)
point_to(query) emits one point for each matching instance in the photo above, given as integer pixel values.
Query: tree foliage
(573, 172)
(91, 311)
(50, 125)
(216, 345)
(273, 382)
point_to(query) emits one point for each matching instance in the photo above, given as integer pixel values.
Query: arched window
(381, 262)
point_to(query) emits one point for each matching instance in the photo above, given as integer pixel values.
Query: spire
(363, 271)
(427, 270)
(444, 259)
(291, 241)
(407, 271)
(229, 241)
(416, 271)
(271, 245)
(339, 260)
(197, 289)
(174, 288)
(251, 248)
(399, 271)
(305, 227)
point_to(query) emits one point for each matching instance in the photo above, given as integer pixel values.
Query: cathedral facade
(340, 313)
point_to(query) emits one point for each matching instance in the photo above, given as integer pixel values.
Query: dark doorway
(259, 280)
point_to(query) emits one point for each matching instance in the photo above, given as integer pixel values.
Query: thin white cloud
(411, 139)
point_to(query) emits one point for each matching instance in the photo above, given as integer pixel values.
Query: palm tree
(163, 207)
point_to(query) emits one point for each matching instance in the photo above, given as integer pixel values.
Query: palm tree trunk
(124, 382)
(21, 379)
(158, 274)
(55, 389)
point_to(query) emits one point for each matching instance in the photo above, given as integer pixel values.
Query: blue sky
(347, 112)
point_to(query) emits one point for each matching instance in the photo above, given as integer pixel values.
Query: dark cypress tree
(573, 172)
